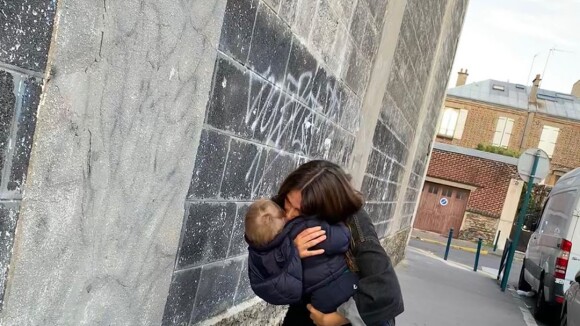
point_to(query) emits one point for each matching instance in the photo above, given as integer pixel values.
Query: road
(450, 293)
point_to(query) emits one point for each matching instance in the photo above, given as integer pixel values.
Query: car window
(557, 213)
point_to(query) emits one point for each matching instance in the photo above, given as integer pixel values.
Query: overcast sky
(501, 37)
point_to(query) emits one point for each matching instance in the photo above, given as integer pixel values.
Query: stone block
(340, 53)
(208, 228)
(244, 290)
(386, 142)
(359, 21)
(351, 110)
(392, 192)
(370, 41)
(209, 165)
(322, 136)
(288, 11)
(324, 33)
(381, 229)
(8, 219)
(227, 109)
(273, 4)
(304, 16)
(181, 297)
(243, 170)
(260, 313)
(27, 29)
(217, 287)
(299, 131)
(344, 10)
(238, 244)
(378, 10)
(25, 126)
(397, 172)
(278, 165)
(375, 164)
(301, 71)
(270, 45)
(266, 114)
(7, 107)
(395, 244)
(238, 25)
(358, 72)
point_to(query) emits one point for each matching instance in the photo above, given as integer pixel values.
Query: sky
(501, 37)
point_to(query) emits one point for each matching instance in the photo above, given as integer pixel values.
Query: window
(433, 189)
(558, 213)
(447, 192)
(449, 122)
(460, 195)
(503, 132)
(548, 139)
(498, 88)
(452, 123)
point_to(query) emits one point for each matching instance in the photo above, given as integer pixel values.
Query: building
(516, 117)
(130, 151)
(476, 193)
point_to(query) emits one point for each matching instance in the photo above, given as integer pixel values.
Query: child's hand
(308, 239)
(321, 319)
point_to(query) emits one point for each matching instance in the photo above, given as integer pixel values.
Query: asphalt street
(439, 292)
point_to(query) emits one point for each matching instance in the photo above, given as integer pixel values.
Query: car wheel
(540, 307)
(522, 284)
(564, 317)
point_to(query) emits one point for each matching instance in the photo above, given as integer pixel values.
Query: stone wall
(24, 43)
(163, 120)
(477, 226)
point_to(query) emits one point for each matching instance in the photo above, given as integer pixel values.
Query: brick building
(473, 191)
(515, 117)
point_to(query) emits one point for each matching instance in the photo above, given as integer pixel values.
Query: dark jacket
(278, 276)
(378, 297)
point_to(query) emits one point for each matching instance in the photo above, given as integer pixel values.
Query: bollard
(477, 255)
(496, 241)
(448, 243)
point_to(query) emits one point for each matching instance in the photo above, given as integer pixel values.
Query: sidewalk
(464, 245)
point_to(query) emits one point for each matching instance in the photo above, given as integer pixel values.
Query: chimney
(576, 89)
(534, 92)
(461, 77)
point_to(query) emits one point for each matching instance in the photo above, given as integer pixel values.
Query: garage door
(441, 207)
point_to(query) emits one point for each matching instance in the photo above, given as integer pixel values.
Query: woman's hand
(321, 319)
(308, 239)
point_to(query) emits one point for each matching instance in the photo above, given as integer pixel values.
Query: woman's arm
(378, 297)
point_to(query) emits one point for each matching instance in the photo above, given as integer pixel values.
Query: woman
(322, 188)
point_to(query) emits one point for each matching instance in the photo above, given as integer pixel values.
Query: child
(276, 272)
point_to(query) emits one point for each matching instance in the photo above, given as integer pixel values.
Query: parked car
(570, 315)
(553, 254)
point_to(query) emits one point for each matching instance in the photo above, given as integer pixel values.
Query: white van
(553, 254)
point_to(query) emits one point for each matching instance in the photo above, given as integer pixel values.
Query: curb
(468, 249)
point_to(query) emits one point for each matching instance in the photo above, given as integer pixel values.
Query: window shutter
(509, 125)
(460, 124)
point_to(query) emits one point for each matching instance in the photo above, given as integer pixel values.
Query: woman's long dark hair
(326, 191)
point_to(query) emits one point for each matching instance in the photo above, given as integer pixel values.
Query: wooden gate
(441, 208)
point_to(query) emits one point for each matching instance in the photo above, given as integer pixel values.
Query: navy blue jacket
(279, 276)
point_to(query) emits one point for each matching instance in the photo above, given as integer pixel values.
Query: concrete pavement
(450, 293)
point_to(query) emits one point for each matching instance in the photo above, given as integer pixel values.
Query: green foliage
(498, 150)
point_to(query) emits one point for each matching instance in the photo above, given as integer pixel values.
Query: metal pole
(521, 216)
(496, 241)
(448, 243)
(477, 254)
